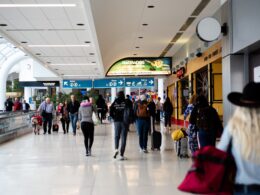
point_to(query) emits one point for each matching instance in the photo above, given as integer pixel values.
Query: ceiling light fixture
(35, 5)
(58, 46)
(91, 54)
(87, 42)
(80, 24)
(23, 42)
(137, 47)
(150, 6)
(86, 64)
(3, 24)
(134, 54)
(140, 37)
(145, 24)
(38, 54)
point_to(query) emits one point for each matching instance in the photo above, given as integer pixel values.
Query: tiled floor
(56, 165)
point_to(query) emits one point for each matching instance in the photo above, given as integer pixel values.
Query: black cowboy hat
(249, 98)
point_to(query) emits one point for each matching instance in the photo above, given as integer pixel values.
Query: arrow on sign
(120, 82)
(65, 83)
(151, 82)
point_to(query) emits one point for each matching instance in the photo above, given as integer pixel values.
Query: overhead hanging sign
(141, 67)
(39, 84)
(77, 84)
(109, 83)
(139, 82)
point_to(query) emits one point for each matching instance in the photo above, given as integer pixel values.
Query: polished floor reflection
(56, 165)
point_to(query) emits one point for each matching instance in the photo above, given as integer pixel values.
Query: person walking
(25, 106)
(143, 122)
(158, 110)
(73, 109)
(46, 109)
(87, 125)
(17, 105)
(206, 118)
(65, 119)
(152, 111)
(101, 107)
(168, 110)
(243, 132)
(129, 104)
(9, 104)
(118, 111)
(192, 130)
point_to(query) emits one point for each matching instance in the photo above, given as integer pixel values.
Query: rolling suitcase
(182, 148)
(157, 140)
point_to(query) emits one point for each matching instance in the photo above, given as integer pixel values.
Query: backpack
(142, 111)
(203, 118)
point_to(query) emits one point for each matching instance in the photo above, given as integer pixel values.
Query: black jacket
(117, 109)
(152, 108)
(73, 108)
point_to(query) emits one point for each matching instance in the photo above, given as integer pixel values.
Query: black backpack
(203, 118)
(128, 115)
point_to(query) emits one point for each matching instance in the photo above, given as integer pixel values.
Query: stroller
(36, 121)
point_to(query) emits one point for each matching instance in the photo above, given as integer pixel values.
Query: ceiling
(55, 26)
(110, 32)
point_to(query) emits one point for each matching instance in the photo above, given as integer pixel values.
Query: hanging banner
(141, 67)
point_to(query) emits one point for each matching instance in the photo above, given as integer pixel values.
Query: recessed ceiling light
(91, 54)
(87, 42)
(56, 69)
(36, 5)
(23, 42)
(150, 6)
(38, 54)
(93, 62)
(58, 45)
(80, 24)
(137, 47)
(3, 24)
(145, 24)
(134, 54)
(140, 37)
(48, 62)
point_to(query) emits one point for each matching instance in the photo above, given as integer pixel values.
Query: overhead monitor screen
(141, 67)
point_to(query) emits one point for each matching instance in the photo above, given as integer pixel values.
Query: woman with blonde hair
(243, 132)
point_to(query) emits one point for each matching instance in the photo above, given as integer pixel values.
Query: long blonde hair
(245, 130)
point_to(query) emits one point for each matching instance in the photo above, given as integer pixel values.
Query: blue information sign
(77, 84)
(109, 83)
(139, 82)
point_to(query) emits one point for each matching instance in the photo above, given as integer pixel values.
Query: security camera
(198, 53)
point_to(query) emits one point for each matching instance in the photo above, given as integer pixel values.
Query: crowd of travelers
(16, 105)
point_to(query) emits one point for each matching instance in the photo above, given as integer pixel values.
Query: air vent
(176, 37)
(187, 23)
(200, 7)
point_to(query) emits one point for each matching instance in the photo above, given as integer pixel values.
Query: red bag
(213, 172)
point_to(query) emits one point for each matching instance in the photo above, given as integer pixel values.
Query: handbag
(213, 172)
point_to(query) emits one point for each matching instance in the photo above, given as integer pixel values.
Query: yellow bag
(177, 135)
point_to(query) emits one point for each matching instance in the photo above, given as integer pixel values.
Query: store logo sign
(49, 84)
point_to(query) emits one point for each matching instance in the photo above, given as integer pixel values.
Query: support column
(161, 89)
(27, 93)
(127, 90)
(113, 94)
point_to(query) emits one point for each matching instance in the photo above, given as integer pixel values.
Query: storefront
(202, 76)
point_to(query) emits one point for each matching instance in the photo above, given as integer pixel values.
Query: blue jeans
(120, 132)
(206, 138)
(74, 120)
(143, 126)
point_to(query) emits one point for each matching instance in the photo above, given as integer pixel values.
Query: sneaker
(116, 153)
(89, 152)
(122, 158)
(141, 150)
(145, 150)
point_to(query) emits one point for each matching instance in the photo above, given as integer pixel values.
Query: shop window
(202, 82)
(184, 94)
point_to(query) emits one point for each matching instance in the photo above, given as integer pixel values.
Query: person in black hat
(243, 131)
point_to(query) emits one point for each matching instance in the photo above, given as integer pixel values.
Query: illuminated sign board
(141, 67)
(39, 84)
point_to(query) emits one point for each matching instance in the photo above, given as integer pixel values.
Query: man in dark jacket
(152, 110)
(101, 108)
(121, 122)
(73, 109)
(9, 105)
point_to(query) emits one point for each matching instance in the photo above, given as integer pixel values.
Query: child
(36, 123)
